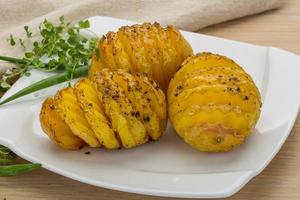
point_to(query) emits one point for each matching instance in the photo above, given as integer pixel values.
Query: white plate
(169, 167)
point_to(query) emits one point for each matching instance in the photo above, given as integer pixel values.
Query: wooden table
(280, 180)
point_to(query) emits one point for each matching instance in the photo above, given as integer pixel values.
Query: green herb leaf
(6, 155)
(84, 24)
(12, 40)
(22, 43)
(62, 19)
(28, 33)
(28, 54)
(4, 85)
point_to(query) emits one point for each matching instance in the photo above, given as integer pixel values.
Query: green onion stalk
(7, 156)
(13, 170)
(47, 82)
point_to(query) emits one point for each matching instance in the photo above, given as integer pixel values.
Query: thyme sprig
(60, 47)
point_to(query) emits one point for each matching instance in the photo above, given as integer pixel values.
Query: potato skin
(57, 130)
(147, 48)
(213, 103)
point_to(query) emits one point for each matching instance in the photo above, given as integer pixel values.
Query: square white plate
(168, 167)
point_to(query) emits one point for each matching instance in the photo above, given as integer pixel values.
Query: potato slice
(140, 102)
(55, 127)
(105, 51)
(69, 109)
(208, 75)
(119, 110)
(152, 90)
(96, 65)
(94, 113)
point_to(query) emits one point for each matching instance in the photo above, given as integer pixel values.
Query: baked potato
(147, 48)
(112, 108)
(213, 103)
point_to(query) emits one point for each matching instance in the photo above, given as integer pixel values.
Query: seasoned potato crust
(147, 48)
(213, 103)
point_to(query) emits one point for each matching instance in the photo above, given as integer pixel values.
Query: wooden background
(280, 180)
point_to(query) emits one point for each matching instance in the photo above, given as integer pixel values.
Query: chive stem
(12, 170)
(12, 60)
(48, 82)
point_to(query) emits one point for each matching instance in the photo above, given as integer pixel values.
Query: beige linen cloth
(186, 14)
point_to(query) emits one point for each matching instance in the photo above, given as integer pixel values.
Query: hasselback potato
(112, 109)
(213, 103)
(147, 48)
